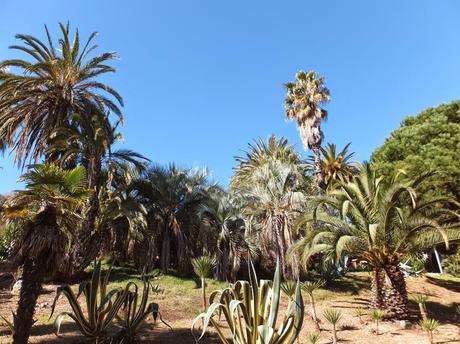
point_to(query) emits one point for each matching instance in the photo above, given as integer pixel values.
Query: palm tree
(333, 317)
(304, 98)
(224, 219)
(261, 153)
(51, 87)
(203, 267)
(377, 220)
(173, 197)
(273, 203)
(46, 209)
(377, 315)
(335, 166)
(88, 140)
(310, 287)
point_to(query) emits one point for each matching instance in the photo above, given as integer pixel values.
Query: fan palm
(336, 166)
(261, 153)
(304, 98)
(377, 220)
(173, 197)
(272, 204)
(232, 243)
(88, 140)
(47, 89)
(47, 211)
(202, 266)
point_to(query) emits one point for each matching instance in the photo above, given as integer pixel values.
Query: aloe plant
(429, 326)
(377, 315)
(203, 266)
(310, 287)
(136, 309)
(251, 309)
(333, 317)
(101, 306)
(421, 299)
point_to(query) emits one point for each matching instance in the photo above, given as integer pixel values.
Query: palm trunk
(280, 250)
(313, 313)
(396, 300)
(32, 278)
(378, 288)
(317, 167)
(203, 293)
(165, 250)
(87, 245)
(334, 335)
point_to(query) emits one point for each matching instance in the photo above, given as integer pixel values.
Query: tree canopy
(427, 141)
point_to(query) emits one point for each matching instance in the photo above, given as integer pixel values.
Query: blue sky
(201, 79)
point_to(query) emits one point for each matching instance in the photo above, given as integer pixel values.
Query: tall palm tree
(304, 98)
(49, 87)
(378, 220)
(47, 210)
(173, 197)
(336, 166)
(222, 215)
(273, 204)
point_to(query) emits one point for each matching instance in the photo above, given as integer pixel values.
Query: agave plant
(421, 299)
(333, 317)
(101, 306)
(251, 309)
(309, 287)
(377, 315)
(429, 326)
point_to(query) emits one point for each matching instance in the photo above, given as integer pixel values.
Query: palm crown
(56, 83)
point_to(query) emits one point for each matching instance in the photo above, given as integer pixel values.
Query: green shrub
(8, 235)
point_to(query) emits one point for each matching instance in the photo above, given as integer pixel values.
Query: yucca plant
(251, 309)
(101, 306)
(360, 313)
(313, 337)
(310, 287)
(421, 299)
(203, 267)
(333, 317)
(377, 315)
(136, 309)
(429, 326)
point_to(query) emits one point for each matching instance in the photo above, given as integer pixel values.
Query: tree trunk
(32, 278)
(165, 259)
(317, 167)
(378, 288)
(396, 300)
(87, 245)
(203, 293)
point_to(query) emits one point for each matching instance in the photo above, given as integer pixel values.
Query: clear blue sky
(201, 79)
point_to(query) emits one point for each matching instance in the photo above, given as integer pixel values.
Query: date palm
(304, 98)
(336, 166)
(40, 94)
(378, 220)
(47, 210)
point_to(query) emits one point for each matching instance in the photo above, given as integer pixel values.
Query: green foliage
(426, 142)
(332, 316)
(135, 310)
(429, 326)
(378, 314)
(8, 235)
(420, 298)
(251, 310)
(203, 266)
(313, 337)
(101, 306)
(288, 288)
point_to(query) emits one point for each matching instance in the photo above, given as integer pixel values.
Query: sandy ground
(441, 306)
